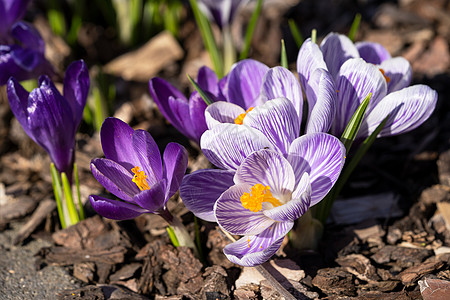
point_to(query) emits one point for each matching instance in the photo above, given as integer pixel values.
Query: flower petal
(245, 81)
(277, 120)
(197, 107)
(399, 72)
(279, 82)
(407, 109)
(294, 208)
(76, 88)
(180, 111)
(236, 219)
(222, 112)
(175, 163)
(373, 53)
(268, 168)
(153, 199)
(227, 145)
(322, 96)
(337, 49)
(309, 59)
(201, 189)
(208, 81)
(320, 155)
(18, 101)
(149, 156)
(114, 177)
(251, 251)
(114, 209)
(356, 80)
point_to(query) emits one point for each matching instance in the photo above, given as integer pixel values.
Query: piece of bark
(359, 266)
(84, 271)
(404, 257)
(16, 209)
(434, 289)
(335, 281)
(410, 275)
(40, 214)
(66, 256)
(126, 272)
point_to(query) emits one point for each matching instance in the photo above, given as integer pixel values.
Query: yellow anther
(240, 119)
(140, 179)
(248, 242)
(259, 194)
(384, 75)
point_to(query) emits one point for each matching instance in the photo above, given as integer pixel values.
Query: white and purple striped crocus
(222, 12)
(265, 155)
(133, 171)
(49, 118)
(363, 68)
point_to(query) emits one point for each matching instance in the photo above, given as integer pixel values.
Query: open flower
(266, 193)
(221, 11)
(49, 118)
(133, 171)
(24, 60)
(354, 78)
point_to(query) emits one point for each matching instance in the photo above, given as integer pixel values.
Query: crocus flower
(11, 11)
(50, 119)
(24, 60)
(354, 78)
(266, 193)
(221, 11)
(134, 172)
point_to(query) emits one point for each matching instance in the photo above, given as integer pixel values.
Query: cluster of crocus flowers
(21, 46)
(133, 171)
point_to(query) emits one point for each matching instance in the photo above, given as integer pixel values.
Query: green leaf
(72, 210)
(172, 236)
(202, 93)
(58, 194)
(77, 184)
(208, 38)
(355, 27)
(284, 61)
(298, 38)
(353, 126)
(250, 30)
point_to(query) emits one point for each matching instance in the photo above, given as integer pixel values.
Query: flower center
(387, 78)
(259, 194)
(140, 179)
(240, 119)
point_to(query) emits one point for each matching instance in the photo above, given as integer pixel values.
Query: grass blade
(58, 194)
(284, 61)
(250, 30)
(355, 27)
(72, 210)
(298, 38)
(202, 93)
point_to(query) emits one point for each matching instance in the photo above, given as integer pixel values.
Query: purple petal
(114, 209)
(251, 251)
(322, 96)
(152, 200)
(277, 120)
(208, 81)
(227, 145)
(180, 111)
(399, 72)
(14, 10)
(18, 101)
(148, 154)
(309, 59)
(268, 168)
(245, 81)
(197, 107)
(28, 36)
(407, 109)
(116, 138)
(175, 163)
(337, 49)
(222, 112)
(293, 209)
(114, 177)
(279, 82)
(236, 219)
(373, 53)
(201, 189)
(320, 155)
(222, 11)
(356, 80)
(76, 88)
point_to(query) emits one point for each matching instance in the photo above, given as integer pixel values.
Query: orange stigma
(384, 75)
(259, 194)
(140, 179)
(240, 119)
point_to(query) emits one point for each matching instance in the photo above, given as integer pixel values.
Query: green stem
(229, 53)
(58, 194)
(72, 210)
(77, 183)
(181, 233)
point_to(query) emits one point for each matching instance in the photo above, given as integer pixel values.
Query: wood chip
(434, 289)
(16, 209)
(410, 275)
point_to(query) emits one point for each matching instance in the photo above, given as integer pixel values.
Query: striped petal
(407, 109)
(399, 72)
(201, 189)
(254, 250)
(197, 107)
(236, 219)
(309, 59)
(279, 82)
(277, 120)
(320, 155)
(373, 53)
(268, 168)
(227, 145)
(222, 112)
(114, 209)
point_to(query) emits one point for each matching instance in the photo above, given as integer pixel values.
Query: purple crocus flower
(11, 11)
(50, 119)
(364, 68)
(24, 60)
(134, 172)
(221, 11)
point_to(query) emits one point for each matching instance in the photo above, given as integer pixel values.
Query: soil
(393, 244)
